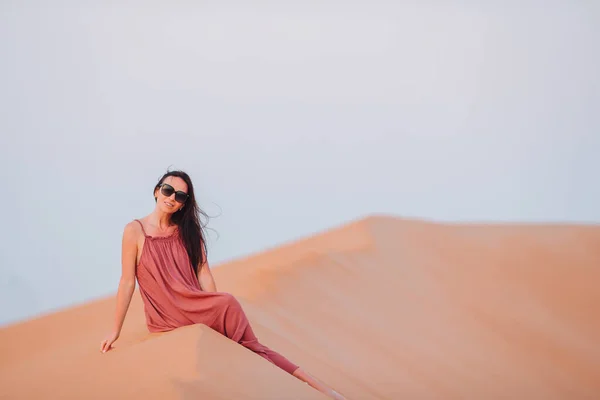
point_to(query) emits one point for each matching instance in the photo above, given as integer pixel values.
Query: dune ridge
(379, 308)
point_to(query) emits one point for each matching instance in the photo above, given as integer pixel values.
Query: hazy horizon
(290, 119)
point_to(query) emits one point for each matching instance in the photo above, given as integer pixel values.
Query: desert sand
(380, 308)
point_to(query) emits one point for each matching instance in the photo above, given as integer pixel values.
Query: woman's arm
(205, 278)
(126, 283)
(207, 282)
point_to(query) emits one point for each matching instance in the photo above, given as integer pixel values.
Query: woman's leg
(315, 383)
(235, 325)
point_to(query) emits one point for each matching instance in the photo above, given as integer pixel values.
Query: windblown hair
(187, 219)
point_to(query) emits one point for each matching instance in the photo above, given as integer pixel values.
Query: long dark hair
(191, 231)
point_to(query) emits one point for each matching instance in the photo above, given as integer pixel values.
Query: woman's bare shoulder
(133, 229)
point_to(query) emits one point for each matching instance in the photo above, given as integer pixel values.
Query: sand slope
(381, 308)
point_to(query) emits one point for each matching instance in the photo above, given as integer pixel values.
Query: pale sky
(290, 118)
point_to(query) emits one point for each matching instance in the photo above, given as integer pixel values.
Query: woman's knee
(229, 300)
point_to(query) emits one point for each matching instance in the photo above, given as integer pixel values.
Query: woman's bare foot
(315, 383)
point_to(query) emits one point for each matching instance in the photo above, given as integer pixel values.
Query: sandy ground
(381, 308)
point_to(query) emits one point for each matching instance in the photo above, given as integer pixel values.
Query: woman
(166, 252)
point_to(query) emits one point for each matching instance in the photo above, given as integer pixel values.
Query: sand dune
(382, 308)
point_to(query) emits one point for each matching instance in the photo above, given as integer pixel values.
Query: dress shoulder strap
(142, 225)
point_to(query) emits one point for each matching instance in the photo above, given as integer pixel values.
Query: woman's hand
(106, 344)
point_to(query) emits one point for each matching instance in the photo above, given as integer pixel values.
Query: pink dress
(173, 297)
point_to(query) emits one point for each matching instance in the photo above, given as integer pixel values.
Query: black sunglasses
(167, 190)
